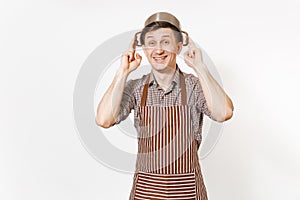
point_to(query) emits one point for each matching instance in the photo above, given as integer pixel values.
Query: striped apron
(167, 165)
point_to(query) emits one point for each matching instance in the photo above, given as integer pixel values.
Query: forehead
(159, 33)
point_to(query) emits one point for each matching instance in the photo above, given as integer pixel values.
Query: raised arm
(218, 102)
(109, 106)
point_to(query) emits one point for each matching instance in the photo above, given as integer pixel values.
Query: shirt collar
(175, 81)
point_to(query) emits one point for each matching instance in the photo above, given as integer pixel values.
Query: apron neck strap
(182, 85)
(145, 91)
(183, 88)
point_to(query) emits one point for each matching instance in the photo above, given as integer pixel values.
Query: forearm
(109, 105)
(218, 102)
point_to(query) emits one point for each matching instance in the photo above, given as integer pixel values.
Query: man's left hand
(193, 56)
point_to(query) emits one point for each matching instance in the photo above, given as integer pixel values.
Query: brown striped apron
(167, 165)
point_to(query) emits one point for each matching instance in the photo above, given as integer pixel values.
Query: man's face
(161, 48)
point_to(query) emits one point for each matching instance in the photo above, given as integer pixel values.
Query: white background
(254, 45)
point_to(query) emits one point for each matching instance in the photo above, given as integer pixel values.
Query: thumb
(186, 55)
(138, 57)
(187, 58)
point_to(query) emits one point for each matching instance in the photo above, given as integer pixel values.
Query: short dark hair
(157, 25)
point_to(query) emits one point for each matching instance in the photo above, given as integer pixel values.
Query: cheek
(171, 49)
(147, 52)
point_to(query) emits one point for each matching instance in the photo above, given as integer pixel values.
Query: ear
(179, 47)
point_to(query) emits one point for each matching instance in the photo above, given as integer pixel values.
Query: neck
(164, 78)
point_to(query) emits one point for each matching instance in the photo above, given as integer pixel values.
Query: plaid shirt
(171, 97)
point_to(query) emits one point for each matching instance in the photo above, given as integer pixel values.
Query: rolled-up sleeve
(201, 101)
(127, 102)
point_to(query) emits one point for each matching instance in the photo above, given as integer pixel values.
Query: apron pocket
(165, 186)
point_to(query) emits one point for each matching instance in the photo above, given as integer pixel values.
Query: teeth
(159, 59)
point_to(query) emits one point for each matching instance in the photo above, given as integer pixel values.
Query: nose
(158, 49)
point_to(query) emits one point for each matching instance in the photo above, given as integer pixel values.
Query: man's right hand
(129, 62)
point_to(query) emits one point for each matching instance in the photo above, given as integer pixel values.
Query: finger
(124, 57)
(132, 45)
(128, 56)
(138, 58)
(191, 43)
(191, 52)
(125, 54)
(186, 55)
(193, 46)
(131, 56)
(187, 58)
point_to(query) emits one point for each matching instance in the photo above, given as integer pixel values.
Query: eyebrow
(150, 36)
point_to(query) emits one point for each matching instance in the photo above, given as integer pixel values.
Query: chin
(160, 67)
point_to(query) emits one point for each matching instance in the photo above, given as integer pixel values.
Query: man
(168, 111)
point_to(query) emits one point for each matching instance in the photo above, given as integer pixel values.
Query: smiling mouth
(160, 59)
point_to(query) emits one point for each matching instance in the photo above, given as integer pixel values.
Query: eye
(151, 43)
(166, 42)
